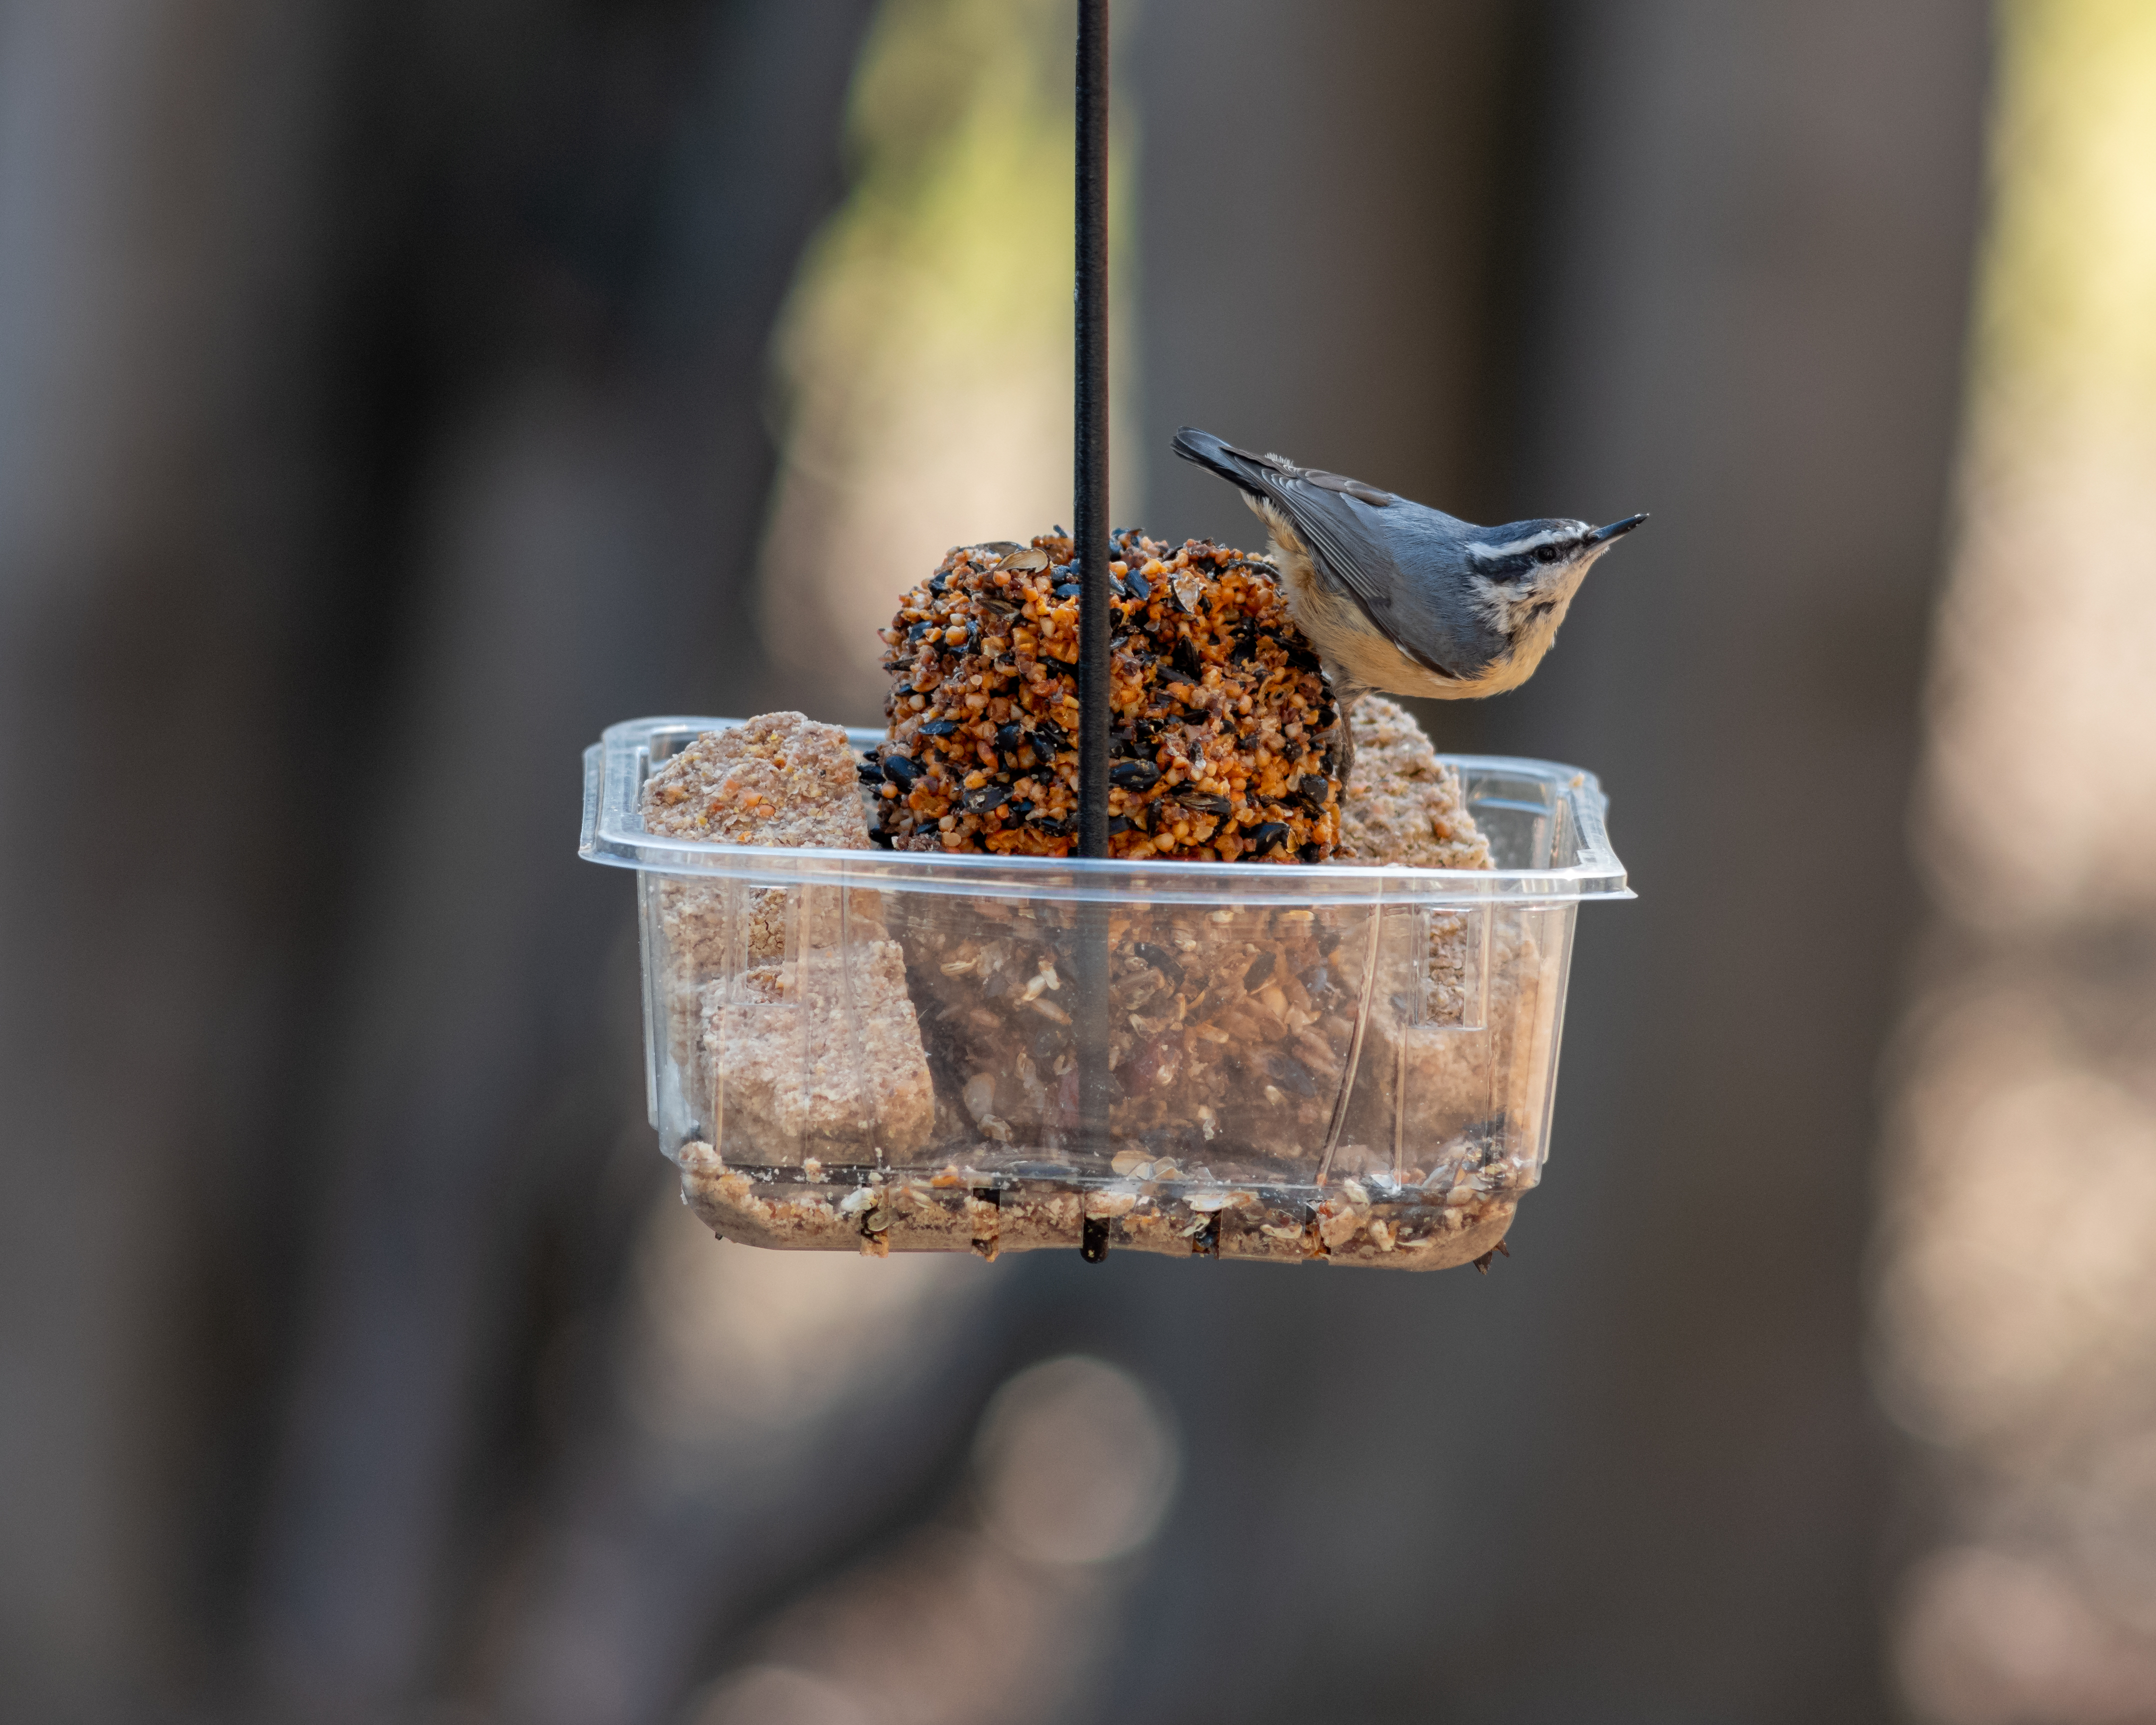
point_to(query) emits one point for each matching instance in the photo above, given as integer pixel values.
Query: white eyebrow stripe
(1514, 547)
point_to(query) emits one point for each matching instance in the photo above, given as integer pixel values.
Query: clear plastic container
(877, 1051)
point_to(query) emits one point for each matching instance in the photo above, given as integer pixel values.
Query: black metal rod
(1096, 589)
(1090, 475)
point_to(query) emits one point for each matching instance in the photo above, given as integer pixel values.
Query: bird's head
(1524, 575)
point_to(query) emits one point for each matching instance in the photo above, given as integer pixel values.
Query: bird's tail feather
(1238, 467)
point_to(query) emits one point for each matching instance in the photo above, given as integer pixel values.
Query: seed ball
(1216, 700)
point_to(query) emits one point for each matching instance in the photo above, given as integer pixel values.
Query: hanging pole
(1089, 477)
(1095, 591)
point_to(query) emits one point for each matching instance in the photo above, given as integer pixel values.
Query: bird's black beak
(1616, 530)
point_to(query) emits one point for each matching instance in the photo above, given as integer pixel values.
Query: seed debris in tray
(1459, 1214)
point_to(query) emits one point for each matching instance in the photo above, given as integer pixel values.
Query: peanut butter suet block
(818, 1058)
(788, 1004)
(1404, 806)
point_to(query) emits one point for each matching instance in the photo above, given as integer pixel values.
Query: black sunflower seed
(1010, 739)
(1135, 775)
(1313, 789)
(1259, 974)
(1121, 823)
(1187, 659)
(1290, 1075)
(900, 770)
(1312, 853)
(1162, 960)
(1137, 584)
(940, 728)
(989, 796)
(1020, 809)
(868, 773)
(1049, 731)
(1069, 590)
(1265, 838)
(1204, 803)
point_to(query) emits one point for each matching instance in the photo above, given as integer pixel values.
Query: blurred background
(392, 394)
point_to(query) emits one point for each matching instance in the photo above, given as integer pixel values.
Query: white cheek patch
(1512, 610)
(1493, 604)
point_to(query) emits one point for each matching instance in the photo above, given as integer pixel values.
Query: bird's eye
(1549, 553)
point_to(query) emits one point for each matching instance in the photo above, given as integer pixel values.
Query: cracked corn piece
(1441, 1035)
(1224, 738)
(1403, 805)
(1406, 809)
(1459, 1028)
(799, 980)
(777, 779)
(818, 1058)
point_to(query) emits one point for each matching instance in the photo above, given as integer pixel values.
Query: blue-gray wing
(1345, 523)
(1340, 520)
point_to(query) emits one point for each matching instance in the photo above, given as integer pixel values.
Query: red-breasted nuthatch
(1401, 598)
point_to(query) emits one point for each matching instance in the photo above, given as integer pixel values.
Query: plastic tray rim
(613, 832)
